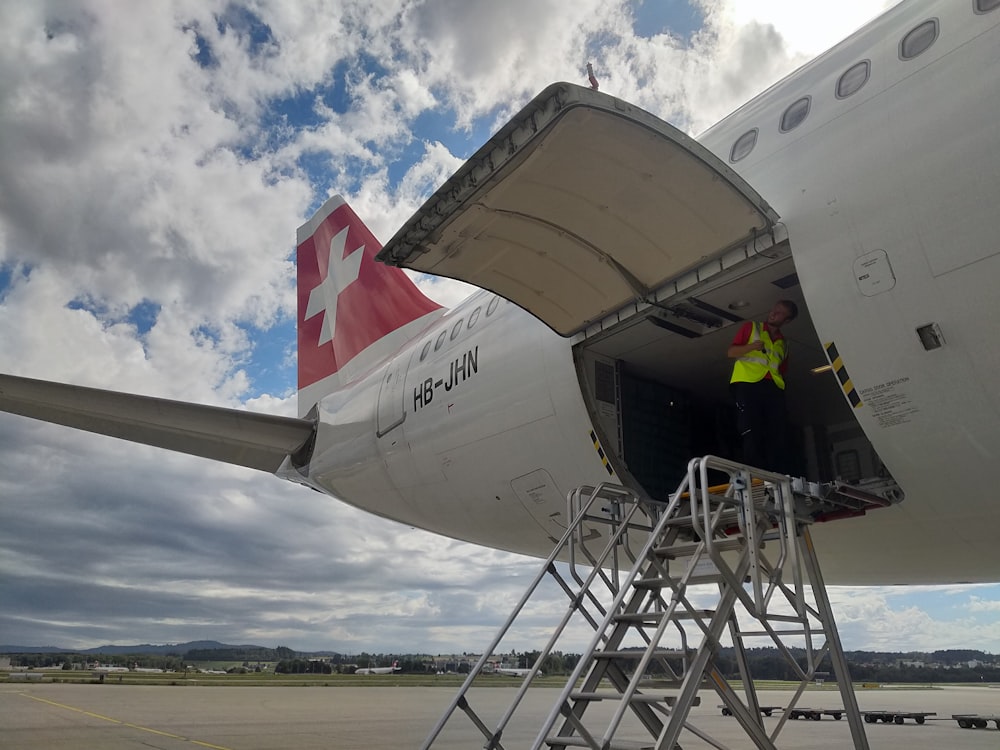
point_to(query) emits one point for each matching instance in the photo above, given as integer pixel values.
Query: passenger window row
(456, 328)
(914, 43)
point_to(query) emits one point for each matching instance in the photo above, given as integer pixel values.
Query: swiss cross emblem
(346, 301)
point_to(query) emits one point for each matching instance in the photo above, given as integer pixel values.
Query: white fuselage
(898, 180)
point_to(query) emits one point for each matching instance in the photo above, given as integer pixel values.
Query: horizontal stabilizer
(258, 441)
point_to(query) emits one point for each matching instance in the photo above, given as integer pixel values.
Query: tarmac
(58, 716)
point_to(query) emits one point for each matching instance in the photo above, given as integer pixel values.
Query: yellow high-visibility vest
(753, 367)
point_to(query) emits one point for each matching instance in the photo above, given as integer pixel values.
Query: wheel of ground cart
(767, 713)
(869, 719)
(795, 715)
(816, 716)
(837, 717)
(918, 719)
(726, 712)
(981, 723)
(965, 723)
(898, 719)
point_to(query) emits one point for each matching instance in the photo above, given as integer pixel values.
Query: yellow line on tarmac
(125, 723)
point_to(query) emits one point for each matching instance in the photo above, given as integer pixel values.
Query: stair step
(686, 521)
(654, 618)
(675, 653)
(660, 583)
(554, 741)
(609, 695)
(658, 684)
(686, 549)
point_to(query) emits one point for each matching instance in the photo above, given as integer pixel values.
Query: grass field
(285, 680)
(269, 679)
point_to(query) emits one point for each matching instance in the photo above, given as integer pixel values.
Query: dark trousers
(762, 421)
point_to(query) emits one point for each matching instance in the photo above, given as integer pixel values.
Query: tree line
(765, 663)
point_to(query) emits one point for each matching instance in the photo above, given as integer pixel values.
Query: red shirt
(743, 337)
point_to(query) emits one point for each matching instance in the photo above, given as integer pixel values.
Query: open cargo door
(580, 206)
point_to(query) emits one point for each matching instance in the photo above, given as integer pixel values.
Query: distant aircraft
(379, 670)
(620, 254)
(513, 671)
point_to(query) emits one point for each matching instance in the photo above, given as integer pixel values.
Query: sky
(155, 161)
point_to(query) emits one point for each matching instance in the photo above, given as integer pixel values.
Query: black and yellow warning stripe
(600, 452)
(845, 380)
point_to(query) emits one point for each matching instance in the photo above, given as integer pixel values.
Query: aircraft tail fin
(352, 311)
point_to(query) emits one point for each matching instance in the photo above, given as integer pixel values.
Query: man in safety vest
(758, 387)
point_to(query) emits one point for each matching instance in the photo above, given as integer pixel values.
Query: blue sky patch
(95, 307)
(143, 316)
(677, 17)
(299, 108)
(247, 24)
(316, 165)
(205, 333)
(438, 125)
(203, 54)
(10, 274)
(269, 367)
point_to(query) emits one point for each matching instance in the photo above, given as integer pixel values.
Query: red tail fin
(353, 312)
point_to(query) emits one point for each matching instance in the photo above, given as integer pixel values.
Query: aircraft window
(440, 340)
(423, 352)
(744, 145)
(493, 306)
(918, 39)
(456, 329)
(474, 317)
(795, 114)
(985, 6)
(853, 79)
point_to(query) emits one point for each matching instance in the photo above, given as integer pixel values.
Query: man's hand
(738, 350)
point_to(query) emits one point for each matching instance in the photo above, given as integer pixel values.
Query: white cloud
(808, 29)
(133, 174)
(976, 604)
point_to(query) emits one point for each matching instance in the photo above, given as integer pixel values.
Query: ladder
(634, 569)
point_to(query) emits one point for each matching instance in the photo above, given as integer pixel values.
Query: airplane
(378, 670)
(616, 256)
(514, 671)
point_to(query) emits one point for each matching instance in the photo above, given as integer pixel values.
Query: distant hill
(34, 650)
(143, 648)
(193, 650)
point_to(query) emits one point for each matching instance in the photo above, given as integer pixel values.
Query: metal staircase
(633, 570)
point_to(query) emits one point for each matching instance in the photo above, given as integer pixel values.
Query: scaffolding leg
(836, 649)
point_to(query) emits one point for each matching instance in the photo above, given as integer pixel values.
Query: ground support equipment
(976, 721)
(896, 717)
(631, 568)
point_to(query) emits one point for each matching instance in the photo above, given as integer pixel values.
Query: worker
(758, 388)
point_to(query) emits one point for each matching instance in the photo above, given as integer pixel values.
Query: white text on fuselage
(460, 369)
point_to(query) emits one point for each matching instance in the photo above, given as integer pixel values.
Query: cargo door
(580, 207)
